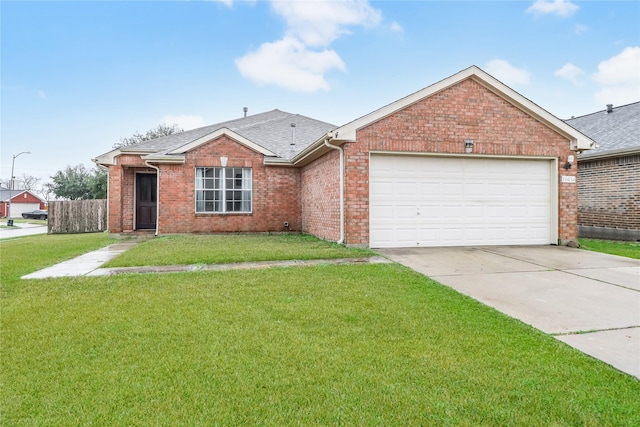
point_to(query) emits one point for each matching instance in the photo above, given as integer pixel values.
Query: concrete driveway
(588, 300)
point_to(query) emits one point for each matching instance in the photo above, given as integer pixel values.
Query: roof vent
(293, 136)
(245, 109)
(609, 108)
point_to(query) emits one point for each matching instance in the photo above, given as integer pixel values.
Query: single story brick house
(21, 201)
(609, 175)
(465, 161)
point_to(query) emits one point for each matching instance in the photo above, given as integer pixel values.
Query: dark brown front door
(146, 202)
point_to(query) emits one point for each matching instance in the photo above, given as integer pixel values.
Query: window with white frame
(221, 190)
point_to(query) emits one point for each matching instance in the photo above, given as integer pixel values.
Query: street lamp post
(9, 220)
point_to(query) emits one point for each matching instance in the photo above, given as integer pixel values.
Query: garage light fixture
(570, 161)
(468, 145)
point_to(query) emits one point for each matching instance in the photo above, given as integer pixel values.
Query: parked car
(37, 214)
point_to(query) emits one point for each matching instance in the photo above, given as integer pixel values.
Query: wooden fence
(77, 216)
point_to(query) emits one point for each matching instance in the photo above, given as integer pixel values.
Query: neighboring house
(21, 201)
(466, 161)
(609, 175)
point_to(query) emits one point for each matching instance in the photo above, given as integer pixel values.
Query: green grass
(626, 249)
(325, 345)
(24, 255)
(219, 249)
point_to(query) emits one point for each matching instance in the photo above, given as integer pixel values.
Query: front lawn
(28, 254)
(220, 249)
(325, 345)
(626, 249)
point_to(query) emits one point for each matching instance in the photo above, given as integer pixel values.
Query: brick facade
(609, 194)
(308, 197)
(439, 124)
(21, 198)
(275, 198)
(321, 197)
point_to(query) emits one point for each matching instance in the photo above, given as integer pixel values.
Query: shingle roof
(271, 130)
(617, 131)
(6, 193)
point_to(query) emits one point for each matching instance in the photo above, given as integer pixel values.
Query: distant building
(21, 201)
(609, 176)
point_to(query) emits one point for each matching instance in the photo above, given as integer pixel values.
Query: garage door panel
(449, 201)
(382, 188)
(18, 208)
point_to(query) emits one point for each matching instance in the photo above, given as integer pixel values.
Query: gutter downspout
(336, 147)
(157, 193)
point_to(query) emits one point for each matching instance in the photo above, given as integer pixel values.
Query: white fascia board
(277, 161)
(109, 158)
(220, 132)
(577, 140)
(317, 149)
(163, 158)
(611, 153)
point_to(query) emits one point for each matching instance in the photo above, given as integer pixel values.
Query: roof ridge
(602, 111)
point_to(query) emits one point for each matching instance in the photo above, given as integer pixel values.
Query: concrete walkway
(89, 264)
(588, 300)
(84, 264)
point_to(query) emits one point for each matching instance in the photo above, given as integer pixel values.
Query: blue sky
(77, 76)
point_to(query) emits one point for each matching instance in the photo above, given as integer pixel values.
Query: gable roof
(616, 133)
(5, 194)
(347, 133)
(269, 133)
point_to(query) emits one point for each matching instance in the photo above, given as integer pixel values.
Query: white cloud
(556, 7)
(300, 60)
(228, 3)
(184, 121)
(320, 22)
(396, 28)
(507, 73)
(580, 28)
(288, 63)
(570, 72)
(619, 77)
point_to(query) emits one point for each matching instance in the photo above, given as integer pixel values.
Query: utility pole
(13, 162)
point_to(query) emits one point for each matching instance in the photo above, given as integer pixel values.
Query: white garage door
(18, 208)
(460, 201)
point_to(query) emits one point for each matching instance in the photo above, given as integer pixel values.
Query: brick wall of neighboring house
(25, 197)
(439, 124)
(321, 197)
(275, 195)
(609, 197)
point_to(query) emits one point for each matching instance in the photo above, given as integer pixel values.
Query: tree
(79, 183)
(27, 182)
(46, 191)
(157, 132)
(98, 183)
(72, 183)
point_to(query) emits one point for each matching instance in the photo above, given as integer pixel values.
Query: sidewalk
(89, 264)
(21, 230)
(84, 264)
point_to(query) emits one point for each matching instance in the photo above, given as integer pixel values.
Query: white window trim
(223, 190)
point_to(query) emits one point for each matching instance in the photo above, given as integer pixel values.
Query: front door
(146, 201)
